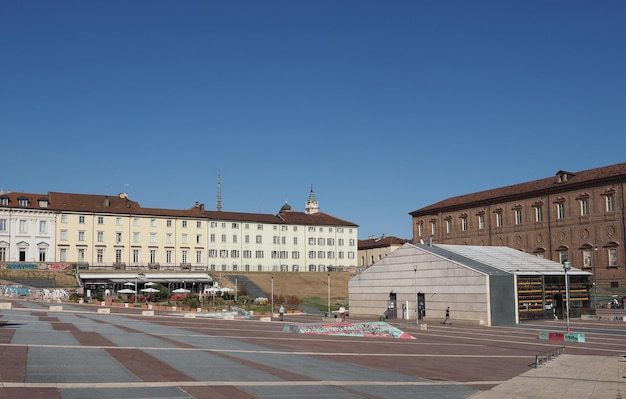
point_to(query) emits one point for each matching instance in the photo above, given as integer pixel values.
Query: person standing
(281, 312)
(342, 313)
(447, 319)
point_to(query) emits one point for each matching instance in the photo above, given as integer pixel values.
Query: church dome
(286, 208)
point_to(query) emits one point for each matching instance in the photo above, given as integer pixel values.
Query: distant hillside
(40, 278)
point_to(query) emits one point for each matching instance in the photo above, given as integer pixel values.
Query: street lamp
(328, 294)
(417, 310)
(566, 267)
(137, 277)
(272, 310)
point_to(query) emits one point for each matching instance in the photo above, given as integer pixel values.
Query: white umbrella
(126, 291)
(148, 284)
(129, 283)
(181, 291)
(150, 290)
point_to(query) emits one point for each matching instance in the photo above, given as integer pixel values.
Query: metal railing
(549, 355)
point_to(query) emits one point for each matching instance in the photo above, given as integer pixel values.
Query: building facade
(116, 233)
(576, 217)
(376, 248)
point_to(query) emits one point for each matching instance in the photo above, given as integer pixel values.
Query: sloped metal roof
(504, 259)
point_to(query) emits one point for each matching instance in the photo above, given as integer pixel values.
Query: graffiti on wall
(14, 290)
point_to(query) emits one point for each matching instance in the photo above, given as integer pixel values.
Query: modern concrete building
(375, 248)
(481, 285)
(577, 217)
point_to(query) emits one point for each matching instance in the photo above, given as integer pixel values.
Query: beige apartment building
(376, 248)
(102, 232)
(577, 217)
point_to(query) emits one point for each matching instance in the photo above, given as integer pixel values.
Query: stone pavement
(567, 376)
(80, 353)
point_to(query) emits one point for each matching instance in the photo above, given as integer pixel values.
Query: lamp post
(328, 294)
(137, 277)
(417, 310)
(595, 279)
(566, 267)
(272, 310)
(236, 289)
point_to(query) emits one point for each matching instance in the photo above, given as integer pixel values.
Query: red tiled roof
(381, 242)
(118, 204)
(529, 189)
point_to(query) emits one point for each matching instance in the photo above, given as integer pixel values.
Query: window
(420, 229)
(247, 254)
(259, 227)
(81, 236)
(258, 254)
(153, 256)
(235, 238)
(135, 237)
(198, 224)
(481, 222)
(100, 236)
(81, 220)
(560, 210)
(198, 256)
(612, 252)
(3, 225)
(118, 237)
(433, 228)
(81, 255)
(63, 218)
(340, 242)
(118, 256)
(198, 238)
(223, 253)
(100, 255)
(4, 201)
(311, 254)
(330, 241)
(135, 222)
(295, 255)
(295, 241)
(351, 242)
(539, 213)
(320, 241)
(153, 238)
(63, 255)
(63, 235)
(246, 239)
(464, 223)
(311, 241)
(184, 225)
(330, 254)
(42, 254)
(100, 219)
(135, 255)
(498, 219)
(168, 223)
(321, 254)
(43, 227)
(234, 253)
(212, 253)
(610, 203)
(235, 225)
(169, 238)
(23, 226)
(259, 239)
(184, 239)
(22, 201)
(562, 257)
(584, 207)
(587, 258)
(183, 255)
(118, 221)
(223, 237)
(212, 237)
(518, 216)
(153, 223)
(168, 256)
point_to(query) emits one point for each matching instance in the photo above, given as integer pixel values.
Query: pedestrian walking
(447, 319)
(342, 313)
(281, 312)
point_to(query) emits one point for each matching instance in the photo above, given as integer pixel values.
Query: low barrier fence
(549, 355)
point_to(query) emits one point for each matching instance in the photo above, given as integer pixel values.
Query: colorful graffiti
(14, 290)
(22, 266)
(373, 329)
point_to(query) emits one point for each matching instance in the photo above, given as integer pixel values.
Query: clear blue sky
(382, 107)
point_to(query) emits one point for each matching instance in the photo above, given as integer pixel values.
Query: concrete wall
(444, 283)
